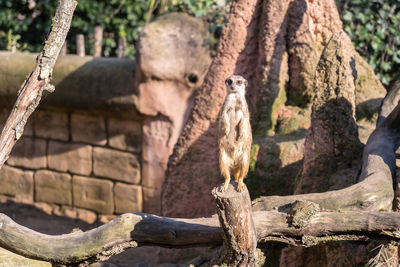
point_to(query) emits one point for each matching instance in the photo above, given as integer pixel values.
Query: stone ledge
(82, 83)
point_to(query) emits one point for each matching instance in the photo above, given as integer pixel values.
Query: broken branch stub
(31, 91)
(238, 229)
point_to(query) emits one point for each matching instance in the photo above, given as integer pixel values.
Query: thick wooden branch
(390, 101)
(130, 230)
(31, 91)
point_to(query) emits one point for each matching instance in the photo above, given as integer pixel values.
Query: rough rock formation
(332, 143)
(276, 46)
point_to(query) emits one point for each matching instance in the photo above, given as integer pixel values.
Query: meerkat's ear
(246, 83)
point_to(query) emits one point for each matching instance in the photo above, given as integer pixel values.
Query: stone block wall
(79, 165)
(99, 145)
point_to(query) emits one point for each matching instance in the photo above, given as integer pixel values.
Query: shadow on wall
(33, 218)
(100, 85)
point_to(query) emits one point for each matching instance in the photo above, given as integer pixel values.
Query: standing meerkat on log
(234, 137)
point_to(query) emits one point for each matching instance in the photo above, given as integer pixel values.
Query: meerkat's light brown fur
(234, 137)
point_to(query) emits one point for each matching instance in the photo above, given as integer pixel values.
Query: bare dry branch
(31, 91)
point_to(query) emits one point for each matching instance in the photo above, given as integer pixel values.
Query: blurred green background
(373, 25)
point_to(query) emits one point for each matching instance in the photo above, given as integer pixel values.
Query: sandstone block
(88, 129)
(29, 153)
(53, 187)
(124, 134)
(153, 174)
(50, 124)
(75, 158)
(121, 166)
(93, 194)
(128, 198)
(151, 200)
(16, 183)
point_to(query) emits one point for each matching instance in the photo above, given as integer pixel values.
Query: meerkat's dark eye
(239, 82)
(228, 82)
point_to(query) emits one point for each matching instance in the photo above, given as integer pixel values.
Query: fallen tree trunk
(131, 230)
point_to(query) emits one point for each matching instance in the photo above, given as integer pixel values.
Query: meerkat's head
(236, 84)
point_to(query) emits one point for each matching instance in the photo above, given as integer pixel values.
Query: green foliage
(124, 18)
(374, 28)
(373, 25)
(24, 23)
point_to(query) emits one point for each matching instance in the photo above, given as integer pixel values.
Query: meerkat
(234, 137)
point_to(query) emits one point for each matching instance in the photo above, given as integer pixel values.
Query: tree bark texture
(31, 91)
(276, 46)
(238, 229)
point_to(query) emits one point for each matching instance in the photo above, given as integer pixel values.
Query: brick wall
(81, 165)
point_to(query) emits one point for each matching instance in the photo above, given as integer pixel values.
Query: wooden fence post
(121, 47)
(238, 229)
(80, 45)
(98, 41)
(63, 51)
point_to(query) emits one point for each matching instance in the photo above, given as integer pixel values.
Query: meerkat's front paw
(240, 186)
(224, 188)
